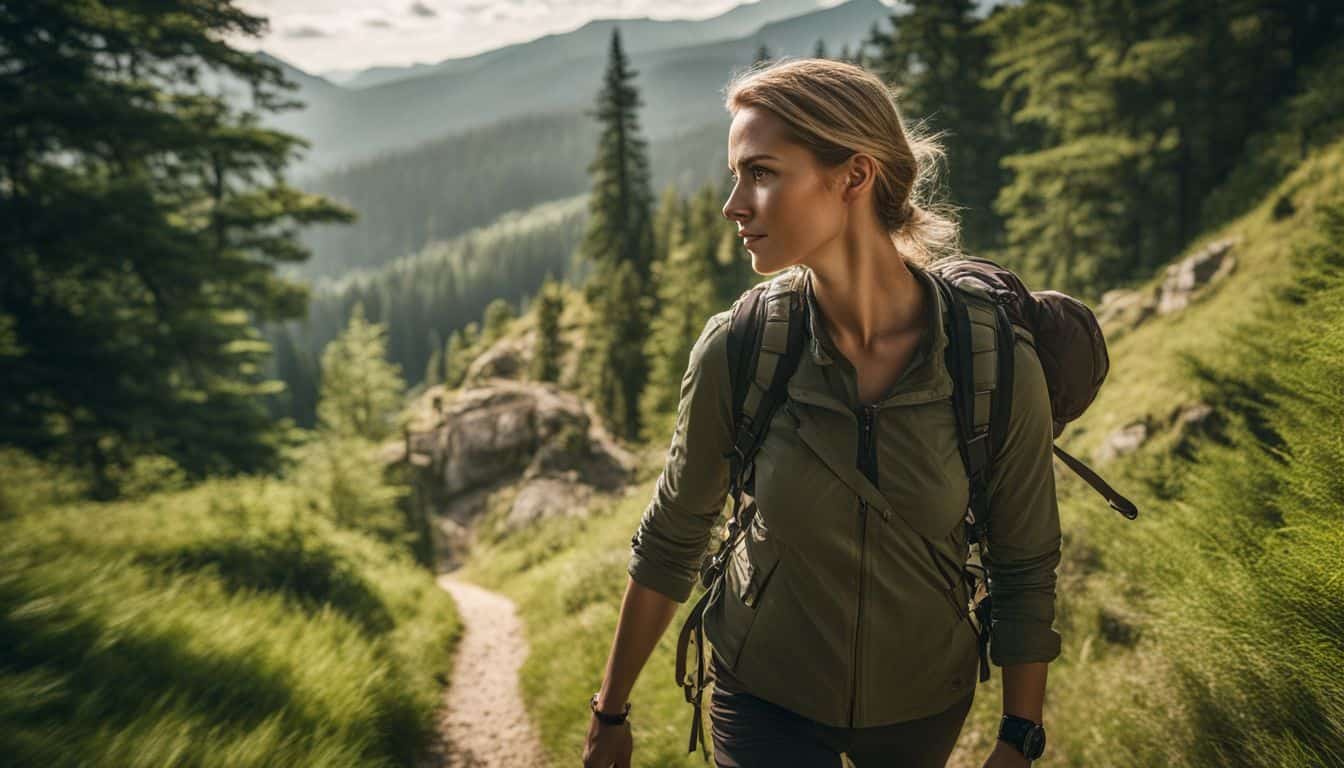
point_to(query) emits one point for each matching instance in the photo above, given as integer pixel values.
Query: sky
(320, 36)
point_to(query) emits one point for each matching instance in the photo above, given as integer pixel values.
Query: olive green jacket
(832, 605)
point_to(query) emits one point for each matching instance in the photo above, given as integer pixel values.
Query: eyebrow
(752, 159)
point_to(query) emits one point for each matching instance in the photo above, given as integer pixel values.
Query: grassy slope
(1119, 583)
(229, 624)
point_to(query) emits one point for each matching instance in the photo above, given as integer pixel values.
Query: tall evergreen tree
(619, 243)
(547, 350)
(762, 54)
(819, 52)
(143, 217)
(361, 390)
(619, 224)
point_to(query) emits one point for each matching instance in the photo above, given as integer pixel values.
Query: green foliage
(230, 624)
(498, 314)
(141, 246)
(937, 58)
(457, 355)
(1249, 615)
(1125, 121)
(361, 390)
(1311, 118)
(444, 286)
(548, 347)
(620, 244)
(613, 363)
(686, 299)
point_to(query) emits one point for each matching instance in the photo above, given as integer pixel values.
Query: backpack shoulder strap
(765, 343)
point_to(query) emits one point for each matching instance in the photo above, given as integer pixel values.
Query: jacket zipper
(867, 456)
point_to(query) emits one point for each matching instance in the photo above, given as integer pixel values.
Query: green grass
(1207, 632)
(239, 622)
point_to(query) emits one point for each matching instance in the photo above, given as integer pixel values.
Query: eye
(753, 170)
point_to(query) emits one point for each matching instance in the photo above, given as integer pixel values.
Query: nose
(734, 209)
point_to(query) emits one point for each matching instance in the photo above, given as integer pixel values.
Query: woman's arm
(645, 614)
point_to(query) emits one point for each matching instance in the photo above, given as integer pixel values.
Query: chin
(764, 265)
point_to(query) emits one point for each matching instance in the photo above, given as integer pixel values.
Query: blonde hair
(837, 110)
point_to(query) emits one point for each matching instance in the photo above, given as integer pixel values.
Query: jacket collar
(831, 377)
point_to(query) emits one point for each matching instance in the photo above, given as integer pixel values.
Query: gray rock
(1187, 277)
(461, 448)
(1126, 439)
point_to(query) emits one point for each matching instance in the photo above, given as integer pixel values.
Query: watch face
(1033, 743)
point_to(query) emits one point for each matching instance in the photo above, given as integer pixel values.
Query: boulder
(463, 447)
(1187, 277)
(1126, 439)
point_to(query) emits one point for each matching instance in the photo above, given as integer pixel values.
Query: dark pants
(750, 732)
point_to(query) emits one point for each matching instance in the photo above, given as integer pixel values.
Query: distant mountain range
(682, 67)
(638, 36)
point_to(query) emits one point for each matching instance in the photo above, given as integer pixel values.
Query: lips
(749, 239)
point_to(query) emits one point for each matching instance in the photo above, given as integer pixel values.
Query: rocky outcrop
(1184, 422)
(1123, 310)
(1186, 277)
(533, 445)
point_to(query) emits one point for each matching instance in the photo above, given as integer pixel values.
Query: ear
(858, 176)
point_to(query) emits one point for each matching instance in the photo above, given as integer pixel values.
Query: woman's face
(781, 193)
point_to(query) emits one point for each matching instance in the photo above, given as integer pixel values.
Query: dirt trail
(482, 723)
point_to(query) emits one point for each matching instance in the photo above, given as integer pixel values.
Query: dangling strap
(1119, 503)
(694, 688)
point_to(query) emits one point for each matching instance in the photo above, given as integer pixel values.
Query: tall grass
(1249, 618)
(239, 622)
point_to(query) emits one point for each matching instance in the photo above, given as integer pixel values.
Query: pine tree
(546, 352)
(820, 51)
(142, 231)
(762, 54)
(619, 244)
(619, 221)
(361, 391)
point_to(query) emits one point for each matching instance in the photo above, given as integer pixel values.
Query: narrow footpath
(482, 723)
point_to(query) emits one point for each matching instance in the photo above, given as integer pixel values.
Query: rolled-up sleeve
(674, 530)
(1024, 538)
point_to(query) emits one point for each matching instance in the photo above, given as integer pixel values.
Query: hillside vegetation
(1206, 632)
(243, 622)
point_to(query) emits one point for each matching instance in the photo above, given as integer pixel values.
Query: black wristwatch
(606, 718)
(1026, 736)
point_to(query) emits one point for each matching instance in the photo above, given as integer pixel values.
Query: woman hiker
(838, 630)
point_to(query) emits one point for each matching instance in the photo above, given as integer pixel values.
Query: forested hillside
(439, 190)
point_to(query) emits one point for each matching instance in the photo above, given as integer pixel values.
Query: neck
(867, 294)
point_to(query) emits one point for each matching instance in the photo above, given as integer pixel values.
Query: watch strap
(605, 717)
(1027, 736)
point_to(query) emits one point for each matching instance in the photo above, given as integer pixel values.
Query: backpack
(765, 343)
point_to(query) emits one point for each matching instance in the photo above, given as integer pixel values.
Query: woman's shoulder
(711, 348)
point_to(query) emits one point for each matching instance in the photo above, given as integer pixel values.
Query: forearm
(645, 616)
(1024, 689)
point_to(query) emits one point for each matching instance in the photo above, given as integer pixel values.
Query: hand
(1005, 755)
(609, 746)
